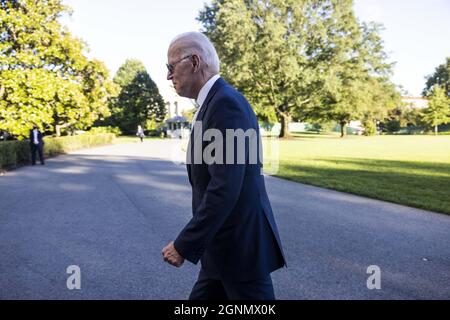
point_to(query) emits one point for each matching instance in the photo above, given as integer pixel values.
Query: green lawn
(410, 170)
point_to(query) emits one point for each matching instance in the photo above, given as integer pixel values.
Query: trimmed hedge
(13, 153)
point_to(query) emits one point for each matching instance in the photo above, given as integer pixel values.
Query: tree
(440, 77)
(356, 84)
(305, 58)
(258, 43)
(44, 77)
(402, 116)
(382, 97)
(438, 111)
(189, 114)
(139, 101)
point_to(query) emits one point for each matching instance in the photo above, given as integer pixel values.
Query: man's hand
(171, 255)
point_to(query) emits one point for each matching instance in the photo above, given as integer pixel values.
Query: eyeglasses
(171, 67)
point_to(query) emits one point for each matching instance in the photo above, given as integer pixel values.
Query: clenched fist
(171, 255)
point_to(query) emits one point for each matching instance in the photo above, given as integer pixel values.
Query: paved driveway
(110, 210)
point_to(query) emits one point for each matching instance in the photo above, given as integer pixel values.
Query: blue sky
(416, 33)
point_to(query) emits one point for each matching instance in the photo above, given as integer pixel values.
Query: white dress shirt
(203, 94)
(35, 136)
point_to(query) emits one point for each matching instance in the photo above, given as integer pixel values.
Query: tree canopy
(440, 77)
(139, 101)
(310, 59)
(45, 78)
(438, 111)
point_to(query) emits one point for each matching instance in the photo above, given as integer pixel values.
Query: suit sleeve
(222, 192)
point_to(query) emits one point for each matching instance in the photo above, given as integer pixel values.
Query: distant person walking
(36, 144)
(140, 133)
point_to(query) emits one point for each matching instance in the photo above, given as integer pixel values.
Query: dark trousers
(213, 289)
(39, 148)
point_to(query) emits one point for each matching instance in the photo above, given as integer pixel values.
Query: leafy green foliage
(403, 117)
(440, 77)
(138, 102)
(107, 129)
(393, 126)
(310, 59)
(438, 111)
(189, 114)
(370, 128)
(44, 76)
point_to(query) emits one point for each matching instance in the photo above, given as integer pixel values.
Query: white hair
(198, 43)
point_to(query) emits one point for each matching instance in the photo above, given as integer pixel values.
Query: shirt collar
(205, 89)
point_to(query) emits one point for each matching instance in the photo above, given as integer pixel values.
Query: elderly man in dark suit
(233, 230)
(36, 144)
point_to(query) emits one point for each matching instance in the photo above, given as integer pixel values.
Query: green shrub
(13, 153)
(393, 126)
(8, 155)
(370, 129)
(106, 129)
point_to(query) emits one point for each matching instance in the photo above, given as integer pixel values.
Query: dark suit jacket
(233, 230)
(39, 136)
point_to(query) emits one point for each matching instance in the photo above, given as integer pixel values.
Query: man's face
(182, 75)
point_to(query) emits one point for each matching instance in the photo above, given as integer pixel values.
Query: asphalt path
(110, 210)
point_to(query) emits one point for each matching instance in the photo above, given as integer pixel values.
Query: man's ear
(195, 62)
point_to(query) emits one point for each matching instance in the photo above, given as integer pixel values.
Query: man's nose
(169, 75)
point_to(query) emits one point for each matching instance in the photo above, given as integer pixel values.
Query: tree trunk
(284, 132)
(343, 123)
(58, 130)
(435, 130)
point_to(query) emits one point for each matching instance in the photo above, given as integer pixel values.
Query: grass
(409, 170)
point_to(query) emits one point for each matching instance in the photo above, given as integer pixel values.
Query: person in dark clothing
(37, 145)
(232, 231)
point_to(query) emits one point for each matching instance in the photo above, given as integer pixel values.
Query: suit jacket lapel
(216, 86)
